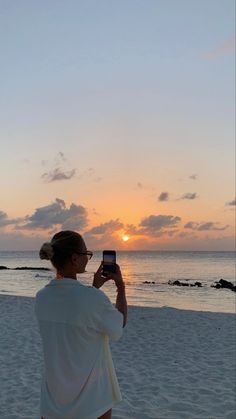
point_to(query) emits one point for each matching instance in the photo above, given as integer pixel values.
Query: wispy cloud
(61, 157)
(189, 195)
(58, 171)
(226, 48)
(131, 229)
(210, 225)
(58, 174)
(5, 220)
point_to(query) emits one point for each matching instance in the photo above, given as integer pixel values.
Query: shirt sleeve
(109, 319)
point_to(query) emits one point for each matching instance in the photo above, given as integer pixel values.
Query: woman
(75, 323)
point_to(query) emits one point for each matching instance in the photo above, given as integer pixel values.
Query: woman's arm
(121, 303)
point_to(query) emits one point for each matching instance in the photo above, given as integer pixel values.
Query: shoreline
(171, 363)
(179, 302)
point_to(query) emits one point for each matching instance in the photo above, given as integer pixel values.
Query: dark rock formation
(24, 268)
(185, 284)
(148, 282)
(197, 284)
(224, 284)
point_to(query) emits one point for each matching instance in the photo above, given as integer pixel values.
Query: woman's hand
(99, 279)
(117, 277)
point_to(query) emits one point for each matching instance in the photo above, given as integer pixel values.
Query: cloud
(108, 227)
(58, 174)
(57, 161)
(4, 220)
(156, 223)
(191, 225)
(189, 196)
(131, 229)
(232, 203)
(194, 176)
(61, 156)
(210, 225)
(75, 217)
(226, 48)
(102, 236)
(164, 196)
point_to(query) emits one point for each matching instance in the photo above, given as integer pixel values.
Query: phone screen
(109, 261)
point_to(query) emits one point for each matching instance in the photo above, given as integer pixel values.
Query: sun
(125, 238)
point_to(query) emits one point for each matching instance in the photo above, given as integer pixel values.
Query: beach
(170, 363)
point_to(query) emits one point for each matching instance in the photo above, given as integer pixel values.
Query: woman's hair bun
(46, 251)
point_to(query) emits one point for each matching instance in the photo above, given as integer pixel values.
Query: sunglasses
(88, 253)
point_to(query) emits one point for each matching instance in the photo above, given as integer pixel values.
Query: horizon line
(136, 250)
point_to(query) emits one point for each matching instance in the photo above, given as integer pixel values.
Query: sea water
(147, 275)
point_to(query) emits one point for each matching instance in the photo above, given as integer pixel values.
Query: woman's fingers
(100, 277)
(100, 268)
(99, 271)
(115, 274)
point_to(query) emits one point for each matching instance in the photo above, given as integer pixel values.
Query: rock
(184, 284)
(178, 283)
(24, 268)
(175, 283)
(148, 282)
(222, 283)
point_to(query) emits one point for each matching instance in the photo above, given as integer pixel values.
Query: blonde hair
(46, 251)
(61, 247)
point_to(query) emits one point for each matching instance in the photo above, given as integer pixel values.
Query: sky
(117, 121)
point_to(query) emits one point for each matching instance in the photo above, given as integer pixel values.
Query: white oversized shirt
(75, 323)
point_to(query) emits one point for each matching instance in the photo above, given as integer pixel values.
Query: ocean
(157, 268)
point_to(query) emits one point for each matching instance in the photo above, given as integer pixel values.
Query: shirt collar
(64, 281)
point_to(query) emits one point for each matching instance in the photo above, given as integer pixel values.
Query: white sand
(171, 364)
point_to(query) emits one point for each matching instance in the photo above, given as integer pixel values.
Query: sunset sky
(117, 119)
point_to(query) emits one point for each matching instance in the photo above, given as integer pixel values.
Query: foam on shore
(170, 363)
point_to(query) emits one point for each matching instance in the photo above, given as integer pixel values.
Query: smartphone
(109, 262)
